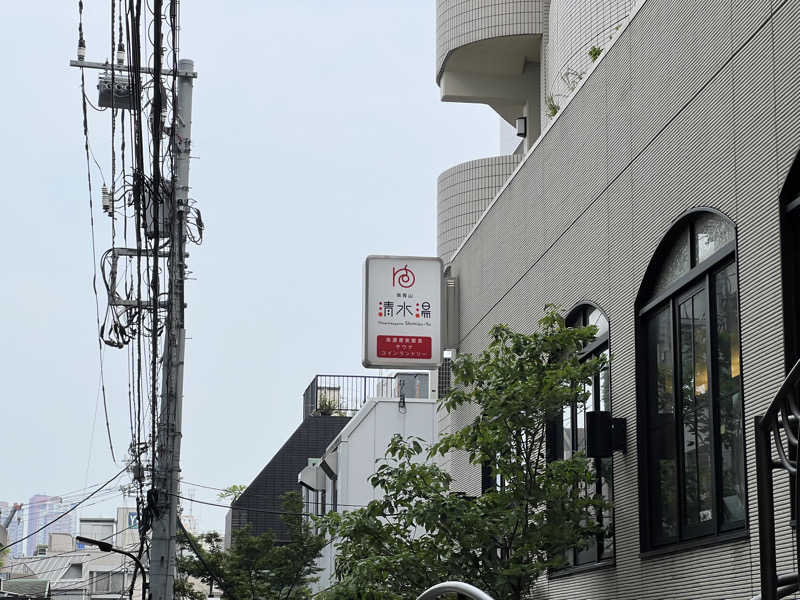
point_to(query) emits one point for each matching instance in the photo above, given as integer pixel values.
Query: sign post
(403, 318)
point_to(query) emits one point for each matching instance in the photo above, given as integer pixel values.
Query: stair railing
(781, 422)
(454, 587)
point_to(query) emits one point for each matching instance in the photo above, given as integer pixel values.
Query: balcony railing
(343, 395)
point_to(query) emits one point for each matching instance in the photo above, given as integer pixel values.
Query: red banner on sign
(415, 347)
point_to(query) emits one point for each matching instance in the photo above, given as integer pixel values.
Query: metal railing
(343, 395)
(781, 422)
(454, 587)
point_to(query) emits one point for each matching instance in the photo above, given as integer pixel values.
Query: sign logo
(403, 277)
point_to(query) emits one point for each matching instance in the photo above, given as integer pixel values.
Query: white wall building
(339, 480)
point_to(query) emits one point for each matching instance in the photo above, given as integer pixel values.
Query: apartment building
(655, 192)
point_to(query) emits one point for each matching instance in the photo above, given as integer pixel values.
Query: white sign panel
(402, 312)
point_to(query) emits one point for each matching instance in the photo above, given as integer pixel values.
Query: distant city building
(43, 509)
(127, 534)
(71, 570)
(191, 523)
(16, 527)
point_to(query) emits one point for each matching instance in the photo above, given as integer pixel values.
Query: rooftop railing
(343, 395)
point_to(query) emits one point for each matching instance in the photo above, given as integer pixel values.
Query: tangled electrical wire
(139, 200)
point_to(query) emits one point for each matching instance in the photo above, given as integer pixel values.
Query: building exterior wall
(353, 455)
(573, 28)
(464, 192)
(462, 22)
(259, 503)
(76, 574)
(694, 105)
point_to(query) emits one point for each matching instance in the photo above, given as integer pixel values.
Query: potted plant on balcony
(328, 404)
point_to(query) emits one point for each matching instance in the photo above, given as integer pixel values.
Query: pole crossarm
(107, 66)
(114, 299)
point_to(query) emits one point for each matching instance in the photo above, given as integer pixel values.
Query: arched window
(570, 436)
(690, 395)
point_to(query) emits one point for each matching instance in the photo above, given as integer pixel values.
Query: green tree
(256, 567)
(209, 545)
(420, 533)
(233, 492)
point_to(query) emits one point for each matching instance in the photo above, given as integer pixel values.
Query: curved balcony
(485, 51)
(464, 192)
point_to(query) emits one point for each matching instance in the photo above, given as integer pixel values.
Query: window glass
(75, 571)
(696, 416)
(101, 582)
(661, 428)
(117, 585)
(580, 422)
(676, 263)
(598, 319)
(606, 481)
(729, 388)
(604, 393)
(693, 394)
(573, 439)
(711, 233)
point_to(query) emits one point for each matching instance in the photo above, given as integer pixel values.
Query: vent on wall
(451, 313)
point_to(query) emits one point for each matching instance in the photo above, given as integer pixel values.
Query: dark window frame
(578, 317)
(699, 279)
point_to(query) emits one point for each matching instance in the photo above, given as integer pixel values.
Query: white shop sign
(402, 312)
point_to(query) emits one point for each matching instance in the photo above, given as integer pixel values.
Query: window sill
(568, 571)
(723, 538)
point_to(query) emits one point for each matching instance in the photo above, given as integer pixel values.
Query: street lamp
(107, 547)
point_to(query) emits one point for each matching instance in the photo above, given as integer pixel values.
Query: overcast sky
(319, 134)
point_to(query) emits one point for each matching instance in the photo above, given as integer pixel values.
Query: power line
(64, 514)
(71, 552)
(208, 487)
(262, 510)
(91, 225)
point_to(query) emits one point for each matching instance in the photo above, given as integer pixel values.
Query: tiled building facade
(660, 193)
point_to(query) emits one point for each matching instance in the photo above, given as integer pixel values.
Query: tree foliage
(232, 491)
(420, 533)
(256, 567)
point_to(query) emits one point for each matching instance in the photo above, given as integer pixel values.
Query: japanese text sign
(402, 312)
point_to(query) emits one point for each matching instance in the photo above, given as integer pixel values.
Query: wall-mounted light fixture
(522, 126)
(604, 434)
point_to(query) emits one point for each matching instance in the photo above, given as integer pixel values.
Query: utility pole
(166, 479)
(167, 446)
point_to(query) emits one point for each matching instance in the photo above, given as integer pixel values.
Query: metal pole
(107, 547)
(167, 477)
(766, 517)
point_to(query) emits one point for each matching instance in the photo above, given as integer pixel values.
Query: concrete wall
(695, 105)
(464, 192)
